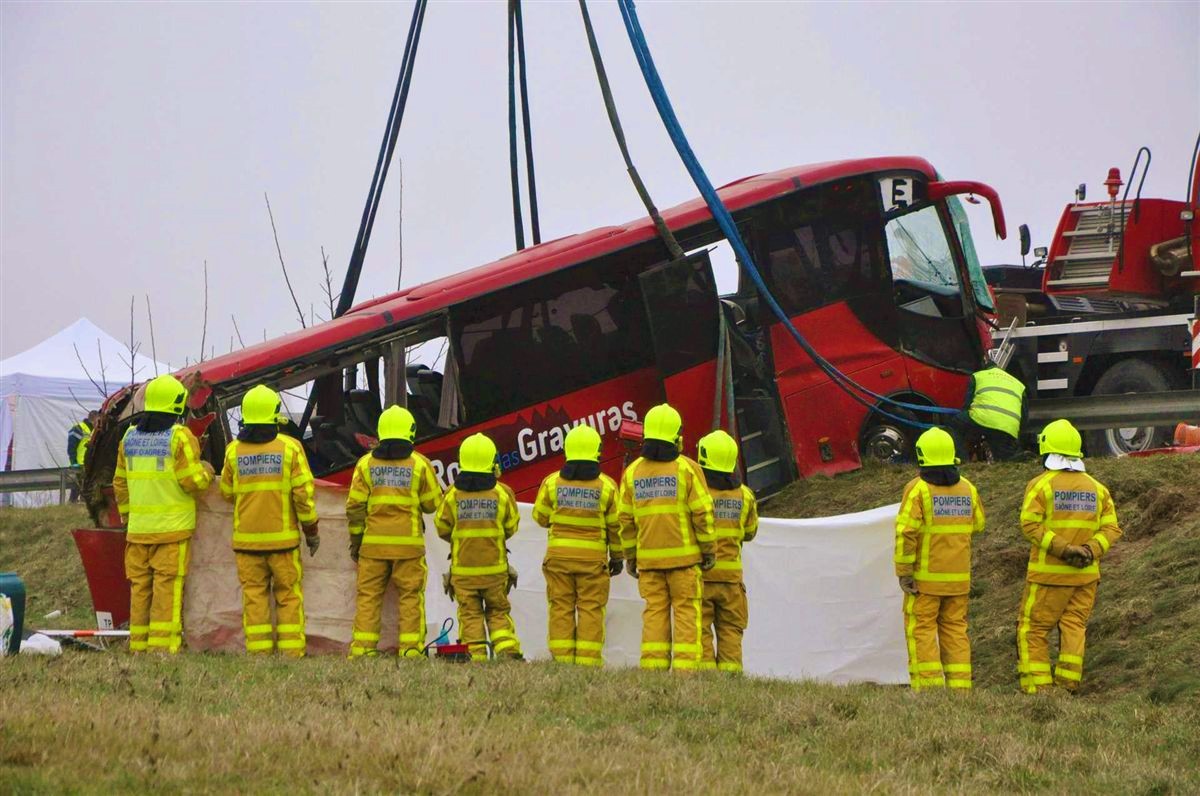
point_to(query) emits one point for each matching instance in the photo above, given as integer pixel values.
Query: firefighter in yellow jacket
(735, 519)
(939, 514)
(392, 487)
(667, 538)
(158, 475)
(477, 517)
(1070, 521)
(266, 477)
(579, 506)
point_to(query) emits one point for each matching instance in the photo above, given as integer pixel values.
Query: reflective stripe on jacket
(1063, 508)
(582, 518)
(735, 520)
(998, 400)
(476, 524)
(666, 514)
(385, 505)
(933, 535)
(271, 489)
(157, 475)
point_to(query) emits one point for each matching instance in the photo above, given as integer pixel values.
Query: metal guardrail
(1091, 412)
(60, 478)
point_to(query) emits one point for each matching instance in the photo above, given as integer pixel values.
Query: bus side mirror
(1025, 242)
(942, 190)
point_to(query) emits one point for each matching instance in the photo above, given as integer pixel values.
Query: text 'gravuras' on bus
(871, 259)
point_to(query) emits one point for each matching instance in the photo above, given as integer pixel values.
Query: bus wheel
(1129, 376)
(888, 441)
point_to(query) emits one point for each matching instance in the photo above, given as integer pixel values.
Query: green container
(12, 587)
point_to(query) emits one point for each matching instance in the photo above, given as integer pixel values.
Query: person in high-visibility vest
(1070, 522)
(578, 504)
(735, 520)
(158, 476)
(939, 515)
(667, 538)
(392, 487)
(477, 516)
(267, 478)
(79, 439)
(996, 408)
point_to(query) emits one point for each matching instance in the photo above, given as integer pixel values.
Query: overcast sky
(137, 139)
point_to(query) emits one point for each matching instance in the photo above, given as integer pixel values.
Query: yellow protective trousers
(374, 574)
(156, 573)
(672, 604)
(577, 596)
(1042, 609)
(725, 613)
(939, 651)
(484, 615)
(263, 574)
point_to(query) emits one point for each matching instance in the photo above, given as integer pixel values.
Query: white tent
(48, 388)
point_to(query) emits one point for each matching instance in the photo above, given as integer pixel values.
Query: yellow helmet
(935, 448)
(583, 444)
(477, 454)
(396, 422)
(261, 405)
(1062, 438)
(717, 451)
(663, 423)
(166, 393)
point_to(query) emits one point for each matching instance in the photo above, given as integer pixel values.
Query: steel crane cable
(729, 228)
(516, 60)
(386, 148)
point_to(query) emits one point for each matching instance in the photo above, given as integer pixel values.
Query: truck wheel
(1129, 376)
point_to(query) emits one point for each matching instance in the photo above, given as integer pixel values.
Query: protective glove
(208, 468)
(1077, 555)
(312, 539)
(512, 578)
(446, 587)
(707, 562)
(908, 584)
(615, 566)
(633, 570)
(355, 546)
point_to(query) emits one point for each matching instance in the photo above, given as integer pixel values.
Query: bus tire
(889, 441)
(1129, 376)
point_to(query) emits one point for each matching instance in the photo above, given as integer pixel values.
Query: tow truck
(1104, 327)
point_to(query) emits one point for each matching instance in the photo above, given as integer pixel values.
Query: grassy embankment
(105, 721)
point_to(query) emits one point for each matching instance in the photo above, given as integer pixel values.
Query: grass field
(105, 721)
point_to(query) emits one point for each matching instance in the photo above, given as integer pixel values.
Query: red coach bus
(872, 259)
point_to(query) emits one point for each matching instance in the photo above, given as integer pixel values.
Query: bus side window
(557, 334)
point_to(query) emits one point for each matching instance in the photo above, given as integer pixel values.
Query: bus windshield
(983, 296)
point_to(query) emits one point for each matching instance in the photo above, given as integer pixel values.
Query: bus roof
(415, 302)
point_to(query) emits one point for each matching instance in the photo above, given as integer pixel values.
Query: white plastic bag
(6, 623)
(38, 644)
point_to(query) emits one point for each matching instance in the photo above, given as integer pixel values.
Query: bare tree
(327, 287)
(237, 331)
(132, 347)
(153, 350)
(204, 328)
(103, 392)
(282, 264)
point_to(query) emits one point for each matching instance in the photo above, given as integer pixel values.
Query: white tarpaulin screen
(823, 598)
